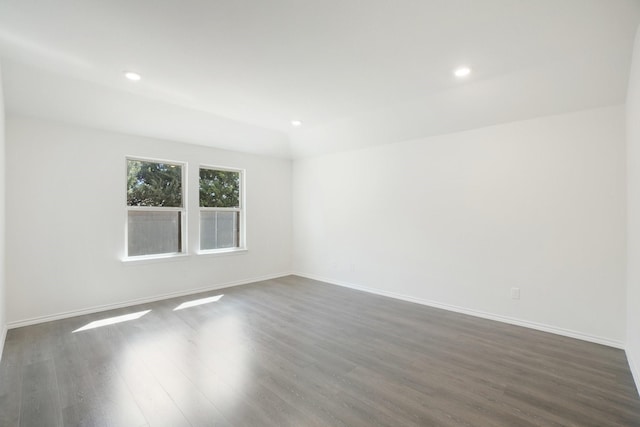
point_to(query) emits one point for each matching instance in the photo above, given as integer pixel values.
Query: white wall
(66, 209)
(3, 304)
(457, 220)
(633, 215)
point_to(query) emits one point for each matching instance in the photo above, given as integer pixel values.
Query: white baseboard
(3, 338)
(430, 303)
(472, 312)
(105, 307)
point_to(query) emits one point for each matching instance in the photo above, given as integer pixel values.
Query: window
(221, 209)
(155, 208)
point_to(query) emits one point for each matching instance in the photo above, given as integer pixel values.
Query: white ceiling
(234, 73)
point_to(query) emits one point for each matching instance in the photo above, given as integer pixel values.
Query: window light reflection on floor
(200, 301)
(112, 320)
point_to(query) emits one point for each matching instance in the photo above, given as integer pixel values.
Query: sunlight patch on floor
(112, 321)
(200, 301)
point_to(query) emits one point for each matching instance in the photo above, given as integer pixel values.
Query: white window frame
(183, 212)
(242, 247)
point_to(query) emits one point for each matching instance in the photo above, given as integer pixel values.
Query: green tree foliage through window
(154, 184)
(219, 188)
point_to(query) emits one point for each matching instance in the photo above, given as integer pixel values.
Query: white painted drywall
(460, 219)
(3, 304)
(633, 215)
(66, 220)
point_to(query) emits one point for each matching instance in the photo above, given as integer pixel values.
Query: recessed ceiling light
(132, 76)
(296, 123)
(462, 72)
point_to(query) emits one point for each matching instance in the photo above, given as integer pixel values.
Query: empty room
(319, 213)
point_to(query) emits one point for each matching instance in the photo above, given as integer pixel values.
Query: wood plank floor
(296, 352)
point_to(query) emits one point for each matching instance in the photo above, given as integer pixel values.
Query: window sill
(154, 258)
(222, 252)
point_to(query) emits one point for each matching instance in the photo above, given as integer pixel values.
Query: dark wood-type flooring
(296, 352)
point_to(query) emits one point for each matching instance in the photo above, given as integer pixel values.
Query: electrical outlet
(515, 293)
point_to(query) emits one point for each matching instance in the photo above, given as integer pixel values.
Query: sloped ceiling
(233, 74)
